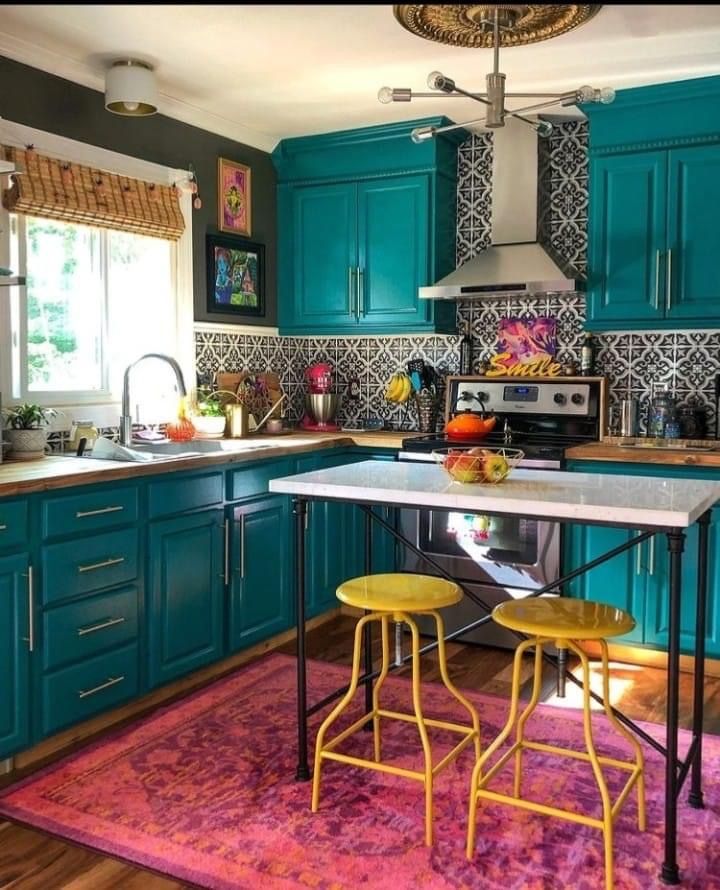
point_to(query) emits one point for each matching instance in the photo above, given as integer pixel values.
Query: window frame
(13, 305)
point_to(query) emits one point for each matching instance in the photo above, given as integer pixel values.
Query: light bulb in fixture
(422, 134)
(130, 89)
(131, 106)
(385, 95)
(543, 129)
(606, 95)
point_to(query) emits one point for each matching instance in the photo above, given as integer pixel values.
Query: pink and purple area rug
(203, 790)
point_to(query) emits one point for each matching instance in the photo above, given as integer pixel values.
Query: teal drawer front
(188, 493)
(85, 689)
(93, 563)
(89, 626)
(253, 480)
(13, 523)
(89, 511)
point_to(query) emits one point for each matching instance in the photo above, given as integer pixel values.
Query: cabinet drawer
(76, 567)
(84, 628)
(170, 496)
(13, 523)
(253, 480)
(82, 690)
(89, 511)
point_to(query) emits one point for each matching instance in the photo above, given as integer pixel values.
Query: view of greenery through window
(86, 290)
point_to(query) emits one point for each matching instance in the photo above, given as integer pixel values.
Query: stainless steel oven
(501, 557)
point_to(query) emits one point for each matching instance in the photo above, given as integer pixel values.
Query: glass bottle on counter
(587, 356)
(661, 420)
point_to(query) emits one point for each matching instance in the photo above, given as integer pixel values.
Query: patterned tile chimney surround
(686, 361)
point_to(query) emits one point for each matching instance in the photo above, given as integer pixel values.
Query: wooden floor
(29, 860)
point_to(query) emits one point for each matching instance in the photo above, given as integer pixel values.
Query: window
(95, 300)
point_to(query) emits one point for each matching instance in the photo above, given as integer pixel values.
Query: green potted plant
(209, 419)
(26, 430)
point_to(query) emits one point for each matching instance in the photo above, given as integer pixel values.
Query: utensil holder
(426, 405)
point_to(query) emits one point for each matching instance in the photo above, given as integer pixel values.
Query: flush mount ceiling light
(492, 25)
(130, 89)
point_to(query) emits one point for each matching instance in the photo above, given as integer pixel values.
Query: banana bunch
(399, 389)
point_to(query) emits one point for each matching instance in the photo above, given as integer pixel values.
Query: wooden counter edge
(616, 454)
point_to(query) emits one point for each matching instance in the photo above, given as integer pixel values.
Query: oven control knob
(559, 398)
(577, 398)
(482, 397)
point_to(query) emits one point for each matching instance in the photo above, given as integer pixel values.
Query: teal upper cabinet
(366, 217)
(654, 218)
(628, 235)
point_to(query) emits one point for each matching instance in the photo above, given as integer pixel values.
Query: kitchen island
(650, 505)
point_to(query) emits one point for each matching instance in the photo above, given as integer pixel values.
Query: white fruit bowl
(473, 469)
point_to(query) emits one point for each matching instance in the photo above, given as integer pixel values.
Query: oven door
(505, 551)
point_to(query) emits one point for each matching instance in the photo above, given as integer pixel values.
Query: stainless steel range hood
(515, 263)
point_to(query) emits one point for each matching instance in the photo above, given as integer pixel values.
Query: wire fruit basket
(478, 465)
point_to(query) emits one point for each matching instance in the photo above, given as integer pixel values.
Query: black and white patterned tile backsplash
(686, 361)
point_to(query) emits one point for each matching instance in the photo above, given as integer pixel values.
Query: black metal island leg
(670, 873)
(302, 773)
(695, 797)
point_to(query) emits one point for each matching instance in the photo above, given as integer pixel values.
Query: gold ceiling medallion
(471, 25)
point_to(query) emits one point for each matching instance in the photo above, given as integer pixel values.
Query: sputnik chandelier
(492, 25)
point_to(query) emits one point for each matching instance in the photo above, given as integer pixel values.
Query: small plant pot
(209, 427)
(26, 444)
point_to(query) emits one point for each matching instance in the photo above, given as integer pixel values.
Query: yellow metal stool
(561, 621)
(393, 597)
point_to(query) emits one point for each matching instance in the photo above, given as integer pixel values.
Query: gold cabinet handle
(94, 628)
(657, 279)
(111, 681)
(106, 563)
(30, 638)
(82, 514)
(668, 290)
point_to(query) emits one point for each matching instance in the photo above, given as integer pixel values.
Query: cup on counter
(628, 417)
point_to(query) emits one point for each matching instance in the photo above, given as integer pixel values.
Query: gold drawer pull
(111, 622)
(111, 681)
(113, 561)
(81, 514)
(3, 528)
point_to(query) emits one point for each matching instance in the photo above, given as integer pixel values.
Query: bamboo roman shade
(74, 193)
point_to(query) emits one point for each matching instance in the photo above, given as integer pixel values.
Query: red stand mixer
(321, 403)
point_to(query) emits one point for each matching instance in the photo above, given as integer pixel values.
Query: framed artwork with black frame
(235, 275)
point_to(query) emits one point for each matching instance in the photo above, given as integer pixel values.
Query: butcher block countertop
(681, 453)
(62, 471)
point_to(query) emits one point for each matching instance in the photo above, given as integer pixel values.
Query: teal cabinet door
(618, 582)
(327, 559)
(260, 585)
(393, 250)
(14, 654)
(324, 258)
(185, 620)
(693, 241)
(656, 623)
(626, 238)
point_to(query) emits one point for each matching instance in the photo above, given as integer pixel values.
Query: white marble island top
(625, 501)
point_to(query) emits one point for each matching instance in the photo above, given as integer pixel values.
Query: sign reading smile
(504, 365)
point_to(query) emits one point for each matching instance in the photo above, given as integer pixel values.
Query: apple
(495, 468)
(464, 467)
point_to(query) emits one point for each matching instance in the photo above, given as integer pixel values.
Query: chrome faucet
(125, 418)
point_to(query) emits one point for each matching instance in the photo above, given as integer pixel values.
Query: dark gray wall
(32, 97)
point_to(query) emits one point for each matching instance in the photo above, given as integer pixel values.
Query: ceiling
(261, 73)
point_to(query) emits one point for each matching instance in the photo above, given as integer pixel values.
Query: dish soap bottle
(466, 352)
(587, 355)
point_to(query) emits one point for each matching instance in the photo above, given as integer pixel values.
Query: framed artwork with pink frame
(528, 339)
(234, 197)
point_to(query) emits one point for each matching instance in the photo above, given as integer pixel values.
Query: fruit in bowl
(479, 465)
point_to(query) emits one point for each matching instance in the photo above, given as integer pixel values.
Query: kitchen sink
(197, 446)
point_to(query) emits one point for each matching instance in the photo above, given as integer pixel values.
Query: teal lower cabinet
(14, 654)
(185, 594)
(261, 583)
(638, 579)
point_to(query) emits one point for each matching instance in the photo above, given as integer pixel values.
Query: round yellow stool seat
(563, 618)
(395, 592)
